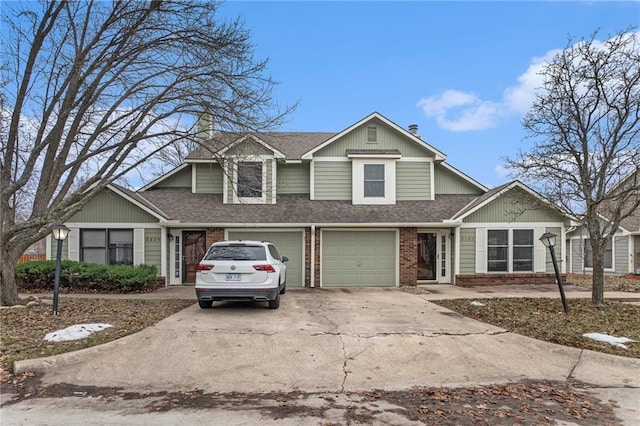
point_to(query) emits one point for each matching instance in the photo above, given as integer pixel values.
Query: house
(623, 249)
(372, 205)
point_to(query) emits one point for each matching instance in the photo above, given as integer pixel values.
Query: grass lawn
(545, 319)
(23, 329)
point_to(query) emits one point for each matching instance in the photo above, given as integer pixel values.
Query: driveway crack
(570, 376)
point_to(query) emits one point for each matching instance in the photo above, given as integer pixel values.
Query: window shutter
(138, 246)
(481, 250)
(73, 245)
(540, 251)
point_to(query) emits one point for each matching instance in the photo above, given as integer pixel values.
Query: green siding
(447, 182)
(180, 179)
(558, 250)
(209, 178)
(64, 251)
(293, 178)
(413, 181)
(269, 184)
(108, 207)
(515, 206)
(576, 255)
(467, 251)
(621, 253)
(152, 247)
(388, 138)
(332, 180)
(359, 258)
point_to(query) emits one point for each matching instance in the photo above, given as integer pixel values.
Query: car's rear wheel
(275, 303)
(284, 288)
(205, 304)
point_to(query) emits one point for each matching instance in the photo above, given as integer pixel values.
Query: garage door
(289, 244)
(359, 258)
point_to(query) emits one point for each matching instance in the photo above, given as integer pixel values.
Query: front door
(427, 265)
(433, 256)
(194, 248)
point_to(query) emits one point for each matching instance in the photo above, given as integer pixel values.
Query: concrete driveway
(327, 341)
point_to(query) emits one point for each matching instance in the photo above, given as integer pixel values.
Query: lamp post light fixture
(60, 233)
(549, 241)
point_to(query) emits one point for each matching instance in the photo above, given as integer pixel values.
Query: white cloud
(502, 171)
(474, 113)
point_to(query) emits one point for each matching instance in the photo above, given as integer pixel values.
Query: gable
(514, 206)
(448, 182)
(247, 147)
(387, 138)
(179, 179)
(109, 207)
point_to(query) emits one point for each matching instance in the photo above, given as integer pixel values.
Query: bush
(78, 277)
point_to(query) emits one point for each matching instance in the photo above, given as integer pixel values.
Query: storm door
(427, 256)
(194, 248)
(433, 256)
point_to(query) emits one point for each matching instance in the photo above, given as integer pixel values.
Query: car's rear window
(236, 253)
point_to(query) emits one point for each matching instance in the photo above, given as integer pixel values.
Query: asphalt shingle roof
(291, 144)
(181, 204)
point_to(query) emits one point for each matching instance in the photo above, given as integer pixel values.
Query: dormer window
(250, 182)
(249, 179)
(373, 180)
(373, 174)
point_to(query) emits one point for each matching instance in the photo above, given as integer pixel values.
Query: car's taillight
(203, 267)
(266, 268)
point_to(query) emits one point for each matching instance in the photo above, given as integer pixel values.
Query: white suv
(241, 271)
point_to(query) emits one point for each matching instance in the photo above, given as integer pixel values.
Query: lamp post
(60, 233)
(549, 241)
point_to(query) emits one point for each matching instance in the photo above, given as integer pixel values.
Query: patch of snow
(613, 340)
(75, 332)
(476, 303)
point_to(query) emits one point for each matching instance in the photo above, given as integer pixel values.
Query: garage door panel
(359, 258)
(288, 243)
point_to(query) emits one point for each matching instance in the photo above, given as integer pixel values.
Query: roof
(291, 144)
(182, 205)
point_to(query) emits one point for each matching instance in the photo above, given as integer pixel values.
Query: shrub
(78, 277)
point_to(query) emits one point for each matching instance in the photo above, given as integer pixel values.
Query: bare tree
(92, 89)
(585, 124)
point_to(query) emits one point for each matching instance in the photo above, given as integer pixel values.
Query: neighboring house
(373, 205)
(623, 250)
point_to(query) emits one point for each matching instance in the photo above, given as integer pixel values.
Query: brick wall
(506, 279)
(408, 256)
(214, 235)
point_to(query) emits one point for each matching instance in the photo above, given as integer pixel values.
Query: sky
(464, 72)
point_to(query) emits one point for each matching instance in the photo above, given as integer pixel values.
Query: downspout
(313, 256)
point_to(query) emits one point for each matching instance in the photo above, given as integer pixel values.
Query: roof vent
(413, 129)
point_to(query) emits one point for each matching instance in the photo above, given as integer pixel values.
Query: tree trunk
(597, 290)
(8, 286)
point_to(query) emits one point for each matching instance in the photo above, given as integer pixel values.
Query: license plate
(233, 277)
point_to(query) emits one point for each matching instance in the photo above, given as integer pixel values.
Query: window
(498, 250)
(503, 245)
(107, 246)
(249, 183)
(374, 180)
(372, 134)
(522, 250)
(588, 254)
